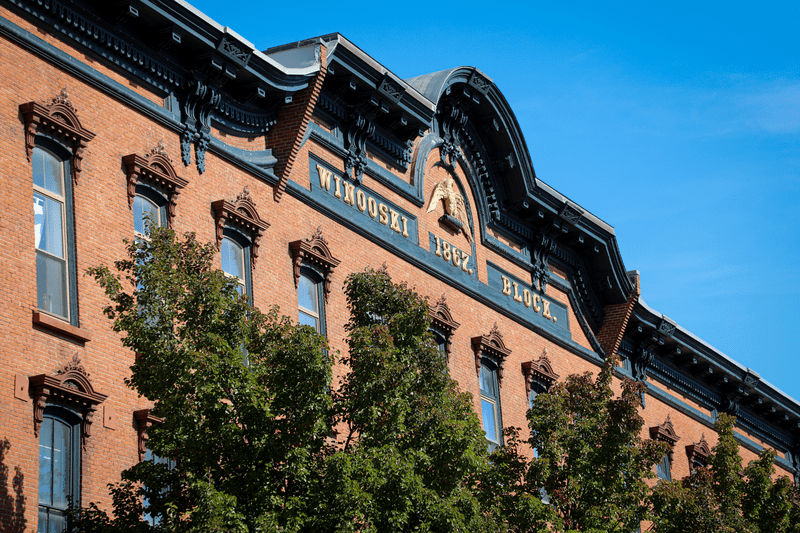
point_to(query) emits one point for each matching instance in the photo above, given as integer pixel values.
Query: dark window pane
(51, 284)
(46, 462)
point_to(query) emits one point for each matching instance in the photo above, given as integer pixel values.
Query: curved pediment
(475, 124)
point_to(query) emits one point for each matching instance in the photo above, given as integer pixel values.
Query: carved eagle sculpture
(453, 204)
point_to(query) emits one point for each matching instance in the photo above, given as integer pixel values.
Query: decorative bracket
(666, 327)
(540, 370)
(541, 250)
(314, 251)
(442, 319)
(665, 433)
(156, 167)
(453, 121)
(699, 451)
(199, 104)
(643, 355)
(144, 421)
(59, 118)
(360, 131)
(491, 345)
(69, 386)
(241, 212)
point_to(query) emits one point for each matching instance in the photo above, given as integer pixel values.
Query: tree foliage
(251, 418)
(727, 497)
(262, 439)
(591, 463)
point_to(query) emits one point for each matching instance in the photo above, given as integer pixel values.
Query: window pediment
(699, 451)
(442, 319)
(59, 118)
(314, 251)
(243, 214)
(155, 167)
(538, 370)
(70, 386)
(144, 421)
(492, 346)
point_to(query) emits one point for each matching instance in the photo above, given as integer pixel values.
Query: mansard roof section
(166, 44)
(718, 381)
(356, 75)
(207, 36)
(522, 203)
(490, 112)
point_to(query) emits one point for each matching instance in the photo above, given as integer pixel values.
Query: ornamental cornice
(70, 386)
(315, 252)
(60, 119)
(491, 346)
(156, 167)
(241, 213)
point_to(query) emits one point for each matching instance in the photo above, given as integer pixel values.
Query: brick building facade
(303, 163)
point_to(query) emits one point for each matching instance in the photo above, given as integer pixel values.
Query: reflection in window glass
(490, 403)
(144, 208)
(49, 216)
(309, 301)
(662, 470)
(151, 519)
(233, 262)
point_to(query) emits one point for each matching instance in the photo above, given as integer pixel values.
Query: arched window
(310, 300)
(53, 231)
(59, 467)
(148, 203)
(490, 403)
(235, 255)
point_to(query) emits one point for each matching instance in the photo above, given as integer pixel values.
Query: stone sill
(60, 327)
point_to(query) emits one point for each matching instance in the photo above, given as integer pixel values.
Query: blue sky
(678, 124)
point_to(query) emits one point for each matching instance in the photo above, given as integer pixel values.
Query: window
(310, 300)
(54, 239)
(439, 340)
(151, 519)
(59, 467)
(665, 432)
(490, 403)
(235, 252)
(662, 469)
(148, 203)
(442, 325)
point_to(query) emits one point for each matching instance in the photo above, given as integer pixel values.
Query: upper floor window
(55, 142)
(59, 468)
(665, 432)
(235, 254)
(148, 204)
(490, 354)
(490, 403)
(442, 325)
(313, 284)
(310, 300)
(53, 236)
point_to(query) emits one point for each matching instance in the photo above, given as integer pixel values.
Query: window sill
(60, 327)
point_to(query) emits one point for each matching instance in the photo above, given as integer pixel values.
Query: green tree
(591, 463)
(412, 448)
(249, 410)
(726, 497)
(246, 437)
